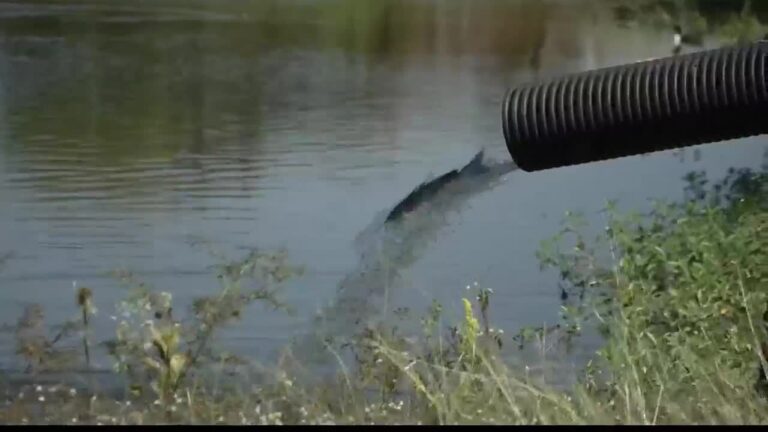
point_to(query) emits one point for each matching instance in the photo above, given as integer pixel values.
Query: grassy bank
(681, 301)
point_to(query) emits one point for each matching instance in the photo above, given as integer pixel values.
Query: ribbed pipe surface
(639, 108)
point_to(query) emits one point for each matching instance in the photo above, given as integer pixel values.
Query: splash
(393, 243)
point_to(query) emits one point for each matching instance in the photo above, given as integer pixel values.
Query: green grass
(681, 301)
(731, 21)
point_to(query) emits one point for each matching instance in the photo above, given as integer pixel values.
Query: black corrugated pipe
(638, 108)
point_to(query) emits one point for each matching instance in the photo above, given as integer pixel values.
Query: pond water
(129, 131)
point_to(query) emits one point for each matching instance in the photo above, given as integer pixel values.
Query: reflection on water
(127, 130)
